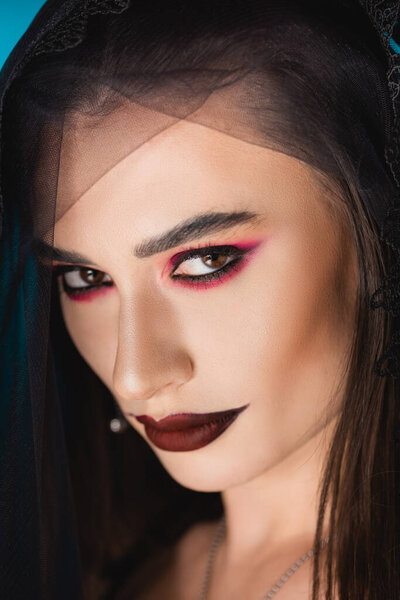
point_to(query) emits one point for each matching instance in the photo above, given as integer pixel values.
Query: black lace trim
(71, 31)
(387, 296)
(384, 14)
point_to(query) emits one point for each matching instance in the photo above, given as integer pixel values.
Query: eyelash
(224, 250)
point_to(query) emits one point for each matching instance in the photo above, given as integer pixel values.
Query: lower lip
(191, 438)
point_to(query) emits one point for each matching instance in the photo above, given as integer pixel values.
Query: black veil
(56, 103)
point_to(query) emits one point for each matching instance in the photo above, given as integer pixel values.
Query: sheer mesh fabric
(47, 130)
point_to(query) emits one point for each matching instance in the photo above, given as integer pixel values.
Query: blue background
(15, 18)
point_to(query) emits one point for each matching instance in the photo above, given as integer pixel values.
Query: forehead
(161, 167)
(185, 170)
(83, 148)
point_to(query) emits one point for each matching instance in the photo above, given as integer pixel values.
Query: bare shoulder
(178, 572)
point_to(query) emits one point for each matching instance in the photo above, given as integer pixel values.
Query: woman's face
(269, 332)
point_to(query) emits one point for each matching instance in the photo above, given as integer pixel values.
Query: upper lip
(180, 421)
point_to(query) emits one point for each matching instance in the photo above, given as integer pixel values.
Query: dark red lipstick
(188, 431)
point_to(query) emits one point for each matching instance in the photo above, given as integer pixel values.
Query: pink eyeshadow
(243, 245)
(87, 296)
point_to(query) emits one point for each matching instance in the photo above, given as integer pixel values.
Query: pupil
(91, 276)
(214, 258)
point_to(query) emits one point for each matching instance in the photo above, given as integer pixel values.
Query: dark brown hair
(320, 94)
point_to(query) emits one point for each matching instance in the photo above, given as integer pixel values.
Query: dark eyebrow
(52, 253)
(191, 229)
(186, 231)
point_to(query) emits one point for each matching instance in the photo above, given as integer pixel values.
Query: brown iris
(217, 256)
(92, 276)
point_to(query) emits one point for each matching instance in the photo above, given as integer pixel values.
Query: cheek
(275, 338)
(94, 336)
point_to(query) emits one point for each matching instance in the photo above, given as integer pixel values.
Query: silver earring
(118, 424)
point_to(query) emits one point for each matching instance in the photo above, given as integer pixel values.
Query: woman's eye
(80, 281)
(203, 265)
(85, 278)
(210, 265)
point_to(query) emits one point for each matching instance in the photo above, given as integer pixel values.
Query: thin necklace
(218, 535)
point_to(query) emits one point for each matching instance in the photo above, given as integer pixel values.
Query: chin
(203, 471)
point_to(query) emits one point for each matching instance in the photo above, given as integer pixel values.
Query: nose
(150, 356)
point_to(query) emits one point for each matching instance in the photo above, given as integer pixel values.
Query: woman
(201, 216)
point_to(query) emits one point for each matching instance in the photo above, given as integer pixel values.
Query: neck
(277, 509)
